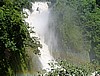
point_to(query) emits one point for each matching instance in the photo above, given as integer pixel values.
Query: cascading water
(39, 20)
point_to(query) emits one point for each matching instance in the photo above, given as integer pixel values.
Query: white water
(39, 20)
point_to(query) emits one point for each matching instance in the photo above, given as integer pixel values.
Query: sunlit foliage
(14, 36)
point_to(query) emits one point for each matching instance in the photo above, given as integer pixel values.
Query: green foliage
(14, 37)
(91, 25)
(78, 25)
(68, 31)
(68, 69)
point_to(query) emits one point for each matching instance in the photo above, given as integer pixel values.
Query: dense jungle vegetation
(81, 26)
(77, 27)
(77, 23)
(14, 37)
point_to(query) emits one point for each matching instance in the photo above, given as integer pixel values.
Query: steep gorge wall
(66, 38)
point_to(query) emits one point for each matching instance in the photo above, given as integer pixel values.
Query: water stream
(39, 20)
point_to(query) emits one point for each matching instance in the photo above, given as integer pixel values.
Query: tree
(14, 37)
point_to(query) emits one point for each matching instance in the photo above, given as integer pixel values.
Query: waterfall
(39, 20)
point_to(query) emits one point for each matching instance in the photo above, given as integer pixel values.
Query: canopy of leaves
(78, 25)
(65, 68)
(14, 36)
(89, 14)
